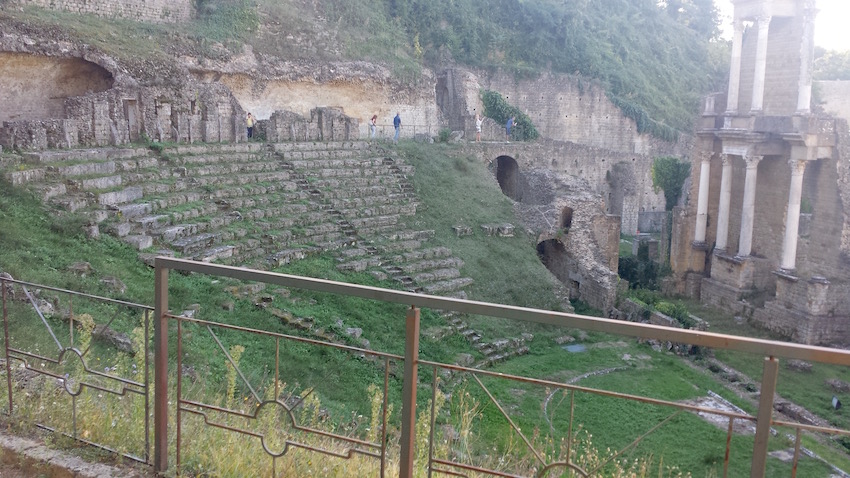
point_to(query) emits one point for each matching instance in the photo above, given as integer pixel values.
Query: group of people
(508, 125)
(373, 126)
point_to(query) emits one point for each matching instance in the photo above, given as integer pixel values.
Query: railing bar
(384, 418)
(811, 428)
(117, 378)
(147, 317)
(701, 338)
(508, 418)
(258, 435)
(6, 346)
(606, 393)
(41, 316)
(285, 336)
(233, 364)
(71, 321)
(433, 422)
(178, 417)
(277, 368)
(796, 454)
(74, 413)
(91, 443)
(81, 294)
(474, 468)
(570, 428)
(728, 448)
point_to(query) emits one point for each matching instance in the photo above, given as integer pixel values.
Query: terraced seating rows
(253, 204)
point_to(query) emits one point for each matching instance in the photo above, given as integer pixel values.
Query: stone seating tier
(258, 204)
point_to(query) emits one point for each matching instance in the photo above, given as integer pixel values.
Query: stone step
(296, 146)
(369, 201)
(436, 275)
(354, 161)
(423, 254)
(215, 158)
(399, 247)
(445, 263)
(200, 149)
(189, 245)
(450, 285)
(387, 182)
(364, 192)
(87, 155)
(408, 235)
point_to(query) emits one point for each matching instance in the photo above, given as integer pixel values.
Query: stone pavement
(25, 458)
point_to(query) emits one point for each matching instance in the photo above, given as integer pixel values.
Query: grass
(505, 270)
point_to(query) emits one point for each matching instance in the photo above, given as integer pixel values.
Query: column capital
(726, 159)
(737, 26)
(752, 160)
(764, 19)
(798, 166)
(705, 156)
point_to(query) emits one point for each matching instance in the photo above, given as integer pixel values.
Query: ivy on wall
(669, 175)
(498, 109)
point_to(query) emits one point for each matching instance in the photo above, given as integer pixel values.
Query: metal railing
(69, 364)
(242, 419)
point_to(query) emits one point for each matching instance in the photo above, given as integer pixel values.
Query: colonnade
(804, 92)
(745, 239)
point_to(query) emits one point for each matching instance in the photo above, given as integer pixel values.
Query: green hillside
(655, 61)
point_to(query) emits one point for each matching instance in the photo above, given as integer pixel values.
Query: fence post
(408, 408)
(765, 416)
(160, 402)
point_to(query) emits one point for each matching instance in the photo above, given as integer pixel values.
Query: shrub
(499, 110)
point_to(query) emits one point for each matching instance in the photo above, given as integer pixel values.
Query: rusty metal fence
(87, 393)
(286, 431)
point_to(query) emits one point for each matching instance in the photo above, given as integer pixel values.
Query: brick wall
(154, 11)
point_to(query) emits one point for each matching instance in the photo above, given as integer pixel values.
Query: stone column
(761, 65)
(745, 243)
(792, 216)
(735, 68)
(725, 201)
(807, 50)
(702, 202)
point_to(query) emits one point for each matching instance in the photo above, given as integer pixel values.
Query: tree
(669, 174)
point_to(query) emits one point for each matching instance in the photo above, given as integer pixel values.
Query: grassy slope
(39, 248)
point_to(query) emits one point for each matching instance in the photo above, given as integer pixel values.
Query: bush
(500, 111)
(444, 135)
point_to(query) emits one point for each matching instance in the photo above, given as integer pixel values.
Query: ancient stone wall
(324, 124)
(359, 96)
(562, 107)
(154, 11)
(34, 87)
(123, 115)
(623, 181)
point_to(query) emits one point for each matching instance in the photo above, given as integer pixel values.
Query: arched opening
(34, 87)
(566, 218)
(553, 255)
(507, 174)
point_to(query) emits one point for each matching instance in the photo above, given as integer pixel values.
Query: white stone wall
(154, 11)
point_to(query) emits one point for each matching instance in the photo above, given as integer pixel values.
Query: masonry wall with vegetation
(154, 11)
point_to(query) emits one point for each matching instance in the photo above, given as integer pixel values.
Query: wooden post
(408, 409)
(765, 416)
(160, 411)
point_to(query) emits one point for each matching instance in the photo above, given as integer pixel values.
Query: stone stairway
(253, 204)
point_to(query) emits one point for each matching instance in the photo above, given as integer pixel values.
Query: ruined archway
(553, 255)
(34, 87)
(507, 174)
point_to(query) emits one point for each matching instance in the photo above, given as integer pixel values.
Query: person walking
(249, 122)
(478, 121)
(373, 126)
(397, 126)
(508, 127)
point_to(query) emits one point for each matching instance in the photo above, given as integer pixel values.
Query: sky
(831, 28)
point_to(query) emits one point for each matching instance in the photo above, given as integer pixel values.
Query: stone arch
(35, 87)
(507, 174)
(553, 254)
